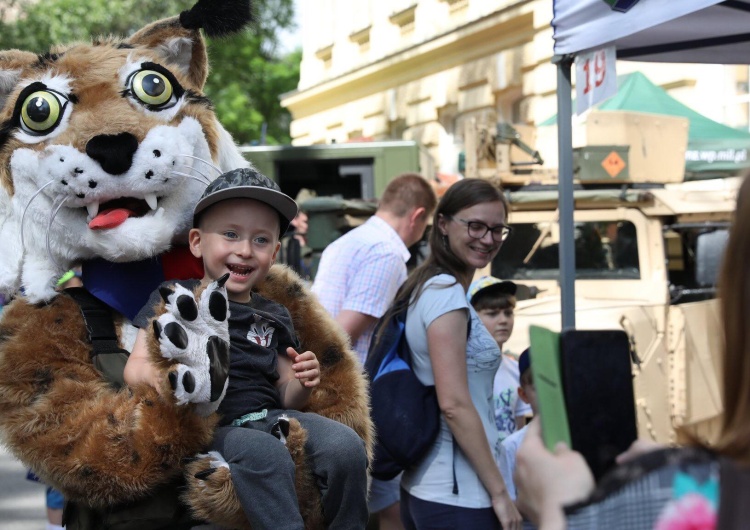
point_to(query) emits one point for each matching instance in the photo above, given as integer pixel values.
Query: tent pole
(565, 188)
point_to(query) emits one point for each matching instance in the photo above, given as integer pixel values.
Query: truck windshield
(605, 250)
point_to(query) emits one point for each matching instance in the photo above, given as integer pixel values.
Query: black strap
(99, 321)
(102, 335)
(455, 480)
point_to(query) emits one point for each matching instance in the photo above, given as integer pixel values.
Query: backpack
(405, 412)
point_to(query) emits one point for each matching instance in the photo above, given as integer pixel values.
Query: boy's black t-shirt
(258, 332)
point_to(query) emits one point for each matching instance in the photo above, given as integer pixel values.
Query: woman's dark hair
(463, 194)
(734, 299)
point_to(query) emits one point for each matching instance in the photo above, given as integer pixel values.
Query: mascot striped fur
(104, 149)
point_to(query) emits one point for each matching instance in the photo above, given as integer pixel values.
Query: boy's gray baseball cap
(247, 183)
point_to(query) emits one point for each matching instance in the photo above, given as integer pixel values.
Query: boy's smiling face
(238, 236)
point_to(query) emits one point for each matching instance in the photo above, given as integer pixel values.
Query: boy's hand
(306, 367)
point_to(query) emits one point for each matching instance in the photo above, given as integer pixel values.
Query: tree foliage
(248, 73)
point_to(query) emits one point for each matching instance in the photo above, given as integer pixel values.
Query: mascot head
(106, 146)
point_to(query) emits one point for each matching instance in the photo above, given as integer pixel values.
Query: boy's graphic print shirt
(505, 397)
(261, 332)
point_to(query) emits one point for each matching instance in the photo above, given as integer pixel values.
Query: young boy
(509, 447)
(237, 225)
(494, 301)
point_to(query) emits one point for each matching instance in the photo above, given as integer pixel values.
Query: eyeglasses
(478, 230)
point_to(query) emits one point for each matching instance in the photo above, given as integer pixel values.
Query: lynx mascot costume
(104, 150)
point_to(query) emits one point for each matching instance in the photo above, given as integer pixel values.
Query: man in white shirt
(357, 280)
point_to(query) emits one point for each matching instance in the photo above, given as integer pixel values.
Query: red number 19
(600, 70)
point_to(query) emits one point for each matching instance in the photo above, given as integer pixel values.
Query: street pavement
(21, 500)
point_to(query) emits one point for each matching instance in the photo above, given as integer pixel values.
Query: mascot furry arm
(104, 149)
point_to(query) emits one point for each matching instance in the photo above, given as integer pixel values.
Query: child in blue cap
(509, 446)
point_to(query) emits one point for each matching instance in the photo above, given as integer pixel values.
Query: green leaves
(247, 72)
(245, 85)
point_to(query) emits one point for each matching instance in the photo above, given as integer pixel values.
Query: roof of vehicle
(703, 196)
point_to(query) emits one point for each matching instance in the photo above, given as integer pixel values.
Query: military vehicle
(648, 247)
(647, 258)
(357, 170)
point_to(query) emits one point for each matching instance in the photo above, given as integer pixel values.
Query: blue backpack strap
(389, 350)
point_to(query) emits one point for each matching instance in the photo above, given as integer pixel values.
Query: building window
(456, 5)
(361, 37)
(325, 54)
(404, 19)
(397, 128)
(737, 110)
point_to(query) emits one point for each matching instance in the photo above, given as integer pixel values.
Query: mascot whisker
(105, 148)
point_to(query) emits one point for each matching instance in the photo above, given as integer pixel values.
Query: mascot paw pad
(194, 333)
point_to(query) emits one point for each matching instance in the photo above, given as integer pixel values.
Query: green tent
(712, 146)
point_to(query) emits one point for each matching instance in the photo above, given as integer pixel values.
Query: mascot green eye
(152, 88)
(41, 112)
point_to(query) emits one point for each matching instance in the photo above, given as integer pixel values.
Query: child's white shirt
(508, 449)
(505, 397)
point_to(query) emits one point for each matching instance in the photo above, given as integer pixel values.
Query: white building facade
(418, 69)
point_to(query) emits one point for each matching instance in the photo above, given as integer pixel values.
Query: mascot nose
(114, 152)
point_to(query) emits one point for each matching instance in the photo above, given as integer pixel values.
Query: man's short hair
(407, 191)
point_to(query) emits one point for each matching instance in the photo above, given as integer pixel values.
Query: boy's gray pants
(263, 471)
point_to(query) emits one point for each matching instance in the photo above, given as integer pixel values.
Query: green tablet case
(545, 367)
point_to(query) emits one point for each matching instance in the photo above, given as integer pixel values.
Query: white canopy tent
(678, 31)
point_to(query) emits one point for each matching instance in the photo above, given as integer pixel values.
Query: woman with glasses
(457, 484)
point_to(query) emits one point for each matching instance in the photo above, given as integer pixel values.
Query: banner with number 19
(596, 78)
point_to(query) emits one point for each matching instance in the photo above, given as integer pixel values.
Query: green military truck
(347, 179)
(350, 171)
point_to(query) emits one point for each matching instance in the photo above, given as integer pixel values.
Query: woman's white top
(432, 478)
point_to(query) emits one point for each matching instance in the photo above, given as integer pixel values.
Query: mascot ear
(179, 41)
(12, 63)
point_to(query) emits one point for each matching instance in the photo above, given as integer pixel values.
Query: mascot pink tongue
(110, 218)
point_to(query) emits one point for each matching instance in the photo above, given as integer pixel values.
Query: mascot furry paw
(193, 333)
(104, 149)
